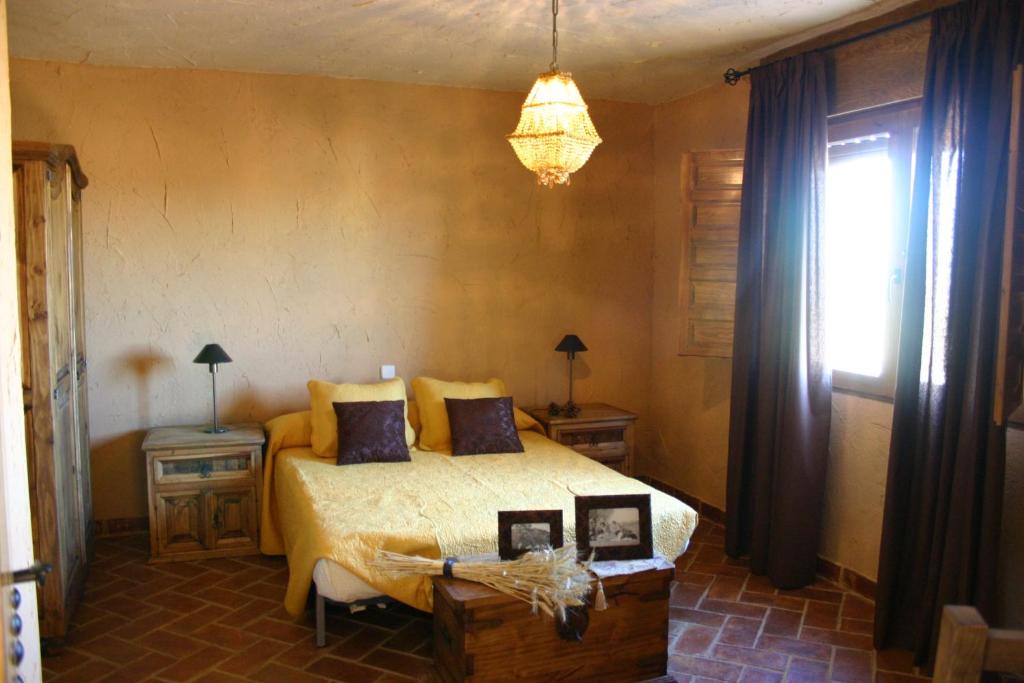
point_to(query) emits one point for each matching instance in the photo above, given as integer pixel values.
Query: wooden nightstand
(204, 491)
(601, 432)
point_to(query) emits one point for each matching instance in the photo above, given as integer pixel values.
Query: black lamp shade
(571, 344)
(212, 354)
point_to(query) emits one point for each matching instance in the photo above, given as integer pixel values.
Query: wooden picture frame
(509, 547)
(627, 535)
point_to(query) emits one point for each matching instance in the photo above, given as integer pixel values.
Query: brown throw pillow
(371, 431)
(482, 425)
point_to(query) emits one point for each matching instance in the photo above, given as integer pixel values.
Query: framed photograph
(614, 527)
(522, 530)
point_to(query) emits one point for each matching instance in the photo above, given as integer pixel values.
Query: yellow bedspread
(435, 506)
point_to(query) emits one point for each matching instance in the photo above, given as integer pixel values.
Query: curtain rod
(733, 76)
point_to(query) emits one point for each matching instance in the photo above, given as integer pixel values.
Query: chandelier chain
(554, 35)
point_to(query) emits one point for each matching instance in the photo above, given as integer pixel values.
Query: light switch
(387, 372)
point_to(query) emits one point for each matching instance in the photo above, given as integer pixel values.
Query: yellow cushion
(324, 437)
(412, 413)
(436, 434)
(525, 422)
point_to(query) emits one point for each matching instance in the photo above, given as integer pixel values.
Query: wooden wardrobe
(48, 185)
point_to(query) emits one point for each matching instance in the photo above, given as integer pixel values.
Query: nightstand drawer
(599, 431)
(615, 458)
(204, 467)
(598, 437)
(604, 451)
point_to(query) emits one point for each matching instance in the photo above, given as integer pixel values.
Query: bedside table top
(589, 412)
(193, 436)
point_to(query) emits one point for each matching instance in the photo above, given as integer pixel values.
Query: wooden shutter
(711, 185)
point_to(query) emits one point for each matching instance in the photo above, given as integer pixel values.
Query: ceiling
(634, 50)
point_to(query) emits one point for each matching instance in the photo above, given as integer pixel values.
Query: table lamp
(570, 345)
(213, 355)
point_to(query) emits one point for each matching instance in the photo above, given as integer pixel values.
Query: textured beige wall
(855, 484)
(318, 228)
(689, 396)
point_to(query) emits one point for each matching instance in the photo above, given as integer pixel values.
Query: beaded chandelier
(555, 135)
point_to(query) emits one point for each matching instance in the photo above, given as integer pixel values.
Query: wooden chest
(482, 635)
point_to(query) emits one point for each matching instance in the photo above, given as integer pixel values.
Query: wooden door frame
(15, 516)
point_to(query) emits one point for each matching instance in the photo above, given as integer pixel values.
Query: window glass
(859, 253)
(867, 207)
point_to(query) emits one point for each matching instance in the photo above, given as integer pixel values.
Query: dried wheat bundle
(548, 580)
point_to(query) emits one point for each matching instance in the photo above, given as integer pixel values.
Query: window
(867, 207)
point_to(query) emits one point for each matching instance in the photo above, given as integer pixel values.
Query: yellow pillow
(324, 438)
(525, 422)
(436, 433)
(412, 414)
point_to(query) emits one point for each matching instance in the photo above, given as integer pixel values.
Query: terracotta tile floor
(731, 626)
(222, 620)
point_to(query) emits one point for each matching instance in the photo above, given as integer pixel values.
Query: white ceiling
(635, 50)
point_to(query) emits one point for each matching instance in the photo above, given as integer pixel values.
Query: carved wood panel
(232, 517)
(181, 519)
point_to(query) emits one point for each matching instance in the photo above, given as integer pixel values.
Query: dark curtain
(781, 387)
(946, 460)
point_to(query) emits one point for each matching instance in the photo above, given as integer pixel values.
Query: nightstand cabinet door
(181, 521)
(232, 518)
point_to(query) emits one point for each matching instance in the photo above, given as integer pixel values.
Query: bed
(330, 521)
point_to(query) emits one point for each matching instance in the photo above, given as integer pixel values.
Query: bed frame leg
(321, 618)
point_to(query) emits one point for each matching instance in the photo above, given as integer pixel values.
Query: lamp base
(217, 430)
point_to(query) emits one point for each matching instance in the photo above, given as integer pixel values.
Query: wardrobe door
(58, 274)
(34, 246)
(69, 522)
(81, 364)
(62, 381)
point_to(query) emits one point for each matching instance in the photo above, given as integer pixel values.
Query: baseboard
(827, 569)
(847, 578)
(704, 509)
(121, 526)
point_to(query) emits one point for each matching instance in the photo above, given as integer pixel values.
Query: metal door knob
(37, 572)
(17, 652)
(16, 624)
